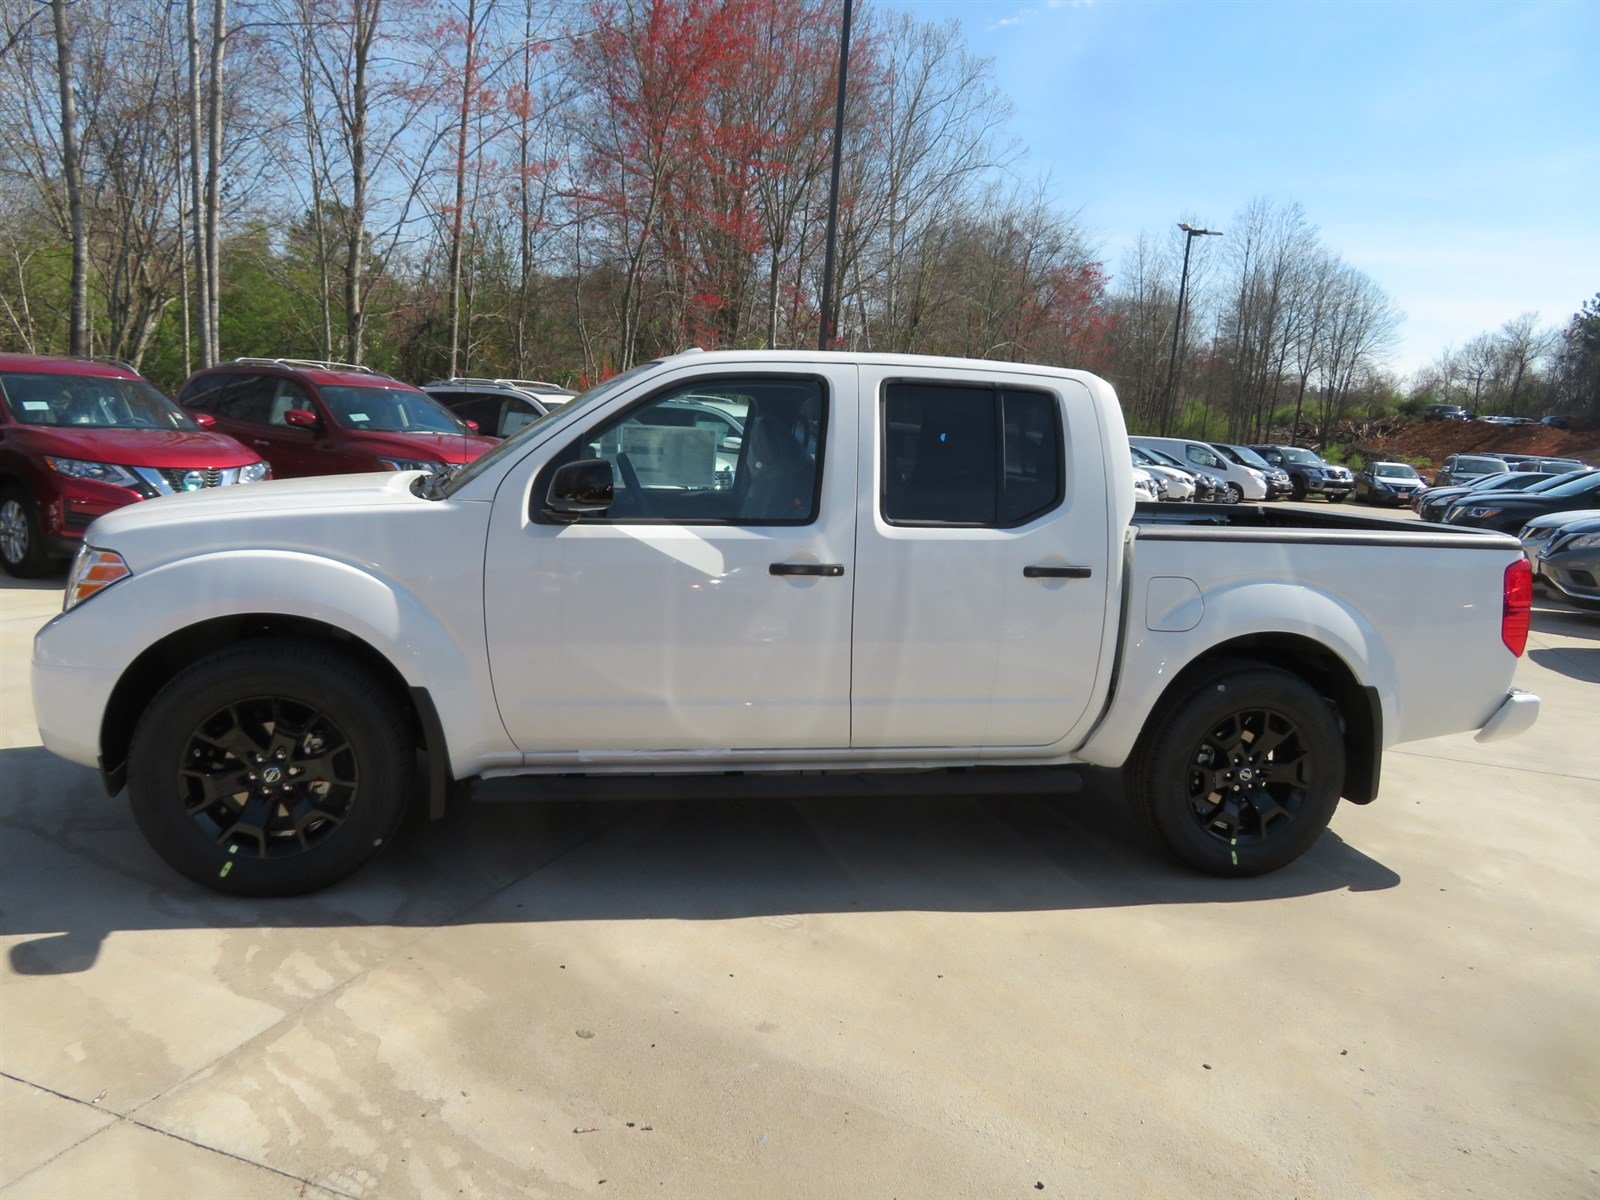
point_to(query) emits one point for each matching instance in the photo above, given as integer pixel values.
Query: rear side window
(247, 398)
(970, 456)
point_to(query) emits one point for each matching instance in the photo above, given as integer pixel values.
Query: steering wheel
(630, 480)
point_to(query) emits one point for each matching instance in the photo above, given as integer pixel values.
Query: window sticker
(36, 405)
(359, 417)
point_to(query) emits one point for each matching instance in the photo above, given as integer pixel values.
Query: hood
(279, 499)
(452, 448)
(1584, 516)
(138, 447)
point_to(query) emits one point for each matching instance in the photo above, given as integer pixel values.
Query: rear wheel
(22, 547)
(1240, 772)
(270, 768)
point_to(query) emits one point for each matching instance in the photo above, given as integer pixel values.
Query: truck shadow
(77, 869)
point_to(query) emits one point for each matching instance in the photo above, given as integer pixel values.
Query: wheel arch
(164, 658)
(1359, 707)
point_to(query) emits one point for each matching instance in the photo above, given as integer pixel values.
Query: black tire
(1297, 489)
(23, 552)
(327, 713)
(1339, 499)
(1235, 494)
(1175, 769)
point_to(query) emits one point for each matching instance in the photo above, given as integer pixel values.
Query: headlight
(412, 464)
(110, 473)
(1589, 541)
(1483, 512)
(92, 571)
(1257, 476)
(255, 472)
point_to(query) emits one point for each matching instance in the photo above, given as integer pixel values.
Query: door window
(969, 455)
(247, 398)
(1201, 456)
(290, 395)
(754, 460)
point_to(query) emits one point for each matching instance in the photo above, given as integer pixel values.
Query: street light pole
(825, 330)
(1190, 233)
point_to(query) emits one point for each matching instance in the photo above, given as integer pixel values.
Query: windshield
(1394, 471)
(1242, 455)
(593, 396)
(1479, 464)
(1164, 459)
(89, 402)
(1296, 455)
(388, 410)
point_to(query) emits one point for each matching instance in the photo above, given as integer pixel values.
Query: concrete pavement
(830, 998)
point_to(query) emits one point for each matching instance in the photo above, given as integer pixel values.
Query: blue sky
(1450, 150)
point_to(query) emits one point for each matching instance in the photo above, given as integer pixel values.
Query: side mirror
(204, 420)
(302, 418)
(731, 444)
(585, 486)
(471, 425)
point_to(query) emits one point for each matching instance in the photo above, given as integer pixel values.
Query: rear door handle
(832, 570)
(1057, 572)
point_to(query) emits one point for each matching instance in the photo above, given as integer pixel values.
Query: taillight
(1516, 609)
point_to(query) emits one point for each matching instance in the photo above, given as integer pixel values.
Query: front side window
(1201, 456)
(91, 401)
(757, 462)
(387, 410)
(972, 456)
(290, 395)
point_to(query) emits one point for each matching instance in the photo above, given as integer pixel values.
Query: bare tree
(71, 172)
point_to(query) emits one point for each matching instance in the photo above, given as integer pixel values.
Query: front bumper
(1330, 487)
(1576, 575)
(1516, 714)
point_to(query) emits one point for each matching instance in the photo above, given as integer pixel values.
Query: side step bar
(755, 785)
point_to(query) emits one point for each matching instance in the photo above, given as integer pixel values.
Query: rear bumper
(1516, 714)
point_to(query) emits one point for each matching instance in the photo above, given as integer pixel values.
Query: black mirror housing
(585, 486)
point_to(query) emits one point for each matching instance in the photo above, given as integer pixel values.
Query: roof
(56, 364)
(330, 374)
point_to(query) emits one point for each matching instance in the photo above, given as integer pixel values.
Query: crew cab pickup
(920, 575)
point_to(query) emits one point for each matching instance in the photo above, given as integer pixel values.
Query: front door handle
(1057, 572)
(831, 570)
(262, 442)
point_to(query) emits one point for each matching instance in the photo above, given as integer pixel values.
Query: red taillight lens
(1516, 611)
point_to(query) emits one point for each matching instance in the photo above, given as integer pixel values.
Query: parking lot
(828, 998)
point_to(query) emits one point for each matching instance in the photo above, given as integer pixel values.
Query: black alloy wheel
(272, 767)
(1247, 774)
(268, 777)
(1239, 769)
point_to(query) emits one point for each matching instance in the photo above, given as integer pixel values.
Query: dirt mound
(1436, 441)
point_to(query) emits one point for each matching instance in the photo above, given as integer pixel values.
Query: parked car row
(1563, 548)
(80, 437)
(1457, 412)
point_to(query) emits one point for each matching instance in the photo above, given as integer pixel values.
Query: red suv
(320, 418)
(79, 438)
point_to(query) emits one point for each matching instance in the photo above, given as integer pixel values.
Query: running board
(755, 785)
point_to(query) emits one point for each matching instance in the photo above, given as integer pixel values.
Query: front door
(709, 609)
(983, 552)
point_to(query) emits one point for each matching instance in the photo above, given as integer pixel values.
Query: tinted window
(666, 466)
(957, 455)
(201, 394)
(247, 398)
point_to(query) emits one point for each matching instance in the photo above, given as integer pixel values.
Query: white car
(1180, 484)
(1243, 483)
(926, 575)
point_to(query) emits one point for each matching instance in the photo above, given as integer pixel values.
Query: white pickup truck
(920, 575)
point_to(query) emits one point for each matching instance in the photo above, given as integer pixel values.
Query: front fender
(440, 651)
(1151, 660)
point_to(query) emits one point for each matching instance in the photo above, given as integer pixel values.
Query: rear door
(982, 553)
(702, 612)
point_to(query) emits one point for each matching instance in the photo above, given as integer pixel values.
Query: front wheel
(22, 547)
(1336, 499)
(1235, 494)
(1240, 772)
(270, 768)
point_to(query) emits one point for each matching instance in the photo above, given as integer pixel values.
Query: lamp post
(1189, 235)
(825, 329)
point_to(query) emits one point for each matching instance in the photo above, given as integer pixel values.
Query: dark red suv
(79, 438)
(319, 418)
